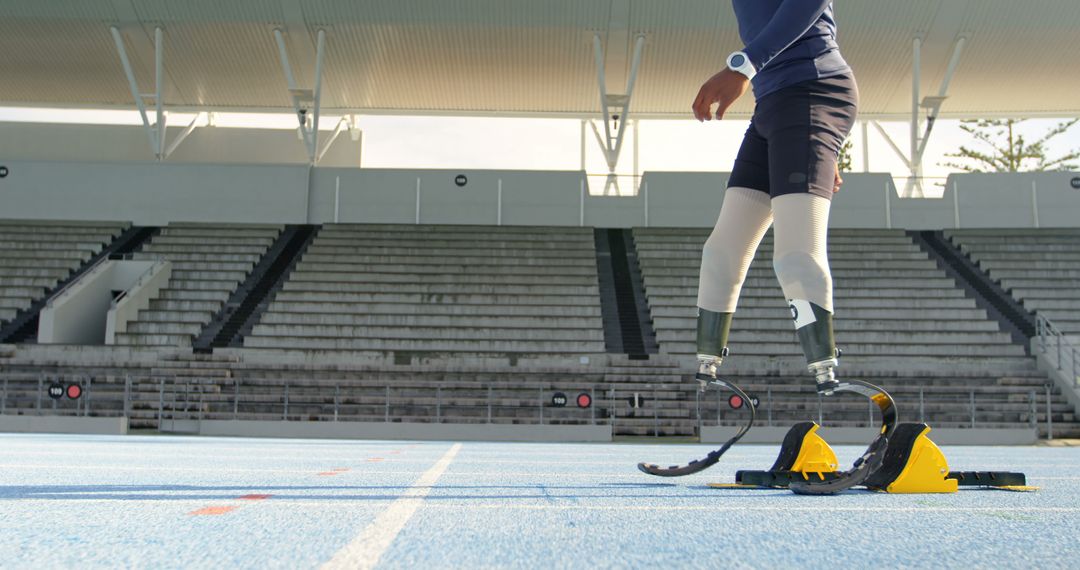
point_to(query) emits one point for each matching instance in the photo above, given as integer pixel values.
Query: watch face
(738, 60)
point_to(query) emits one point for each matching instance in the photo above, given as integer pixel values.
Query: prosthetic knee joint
(814, 327)
(712, 335)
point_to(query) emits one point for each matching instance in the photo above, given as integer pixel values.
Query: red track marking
(374, 459)
(254, 497)
(328, 473)
(341, 469)
(213, 511)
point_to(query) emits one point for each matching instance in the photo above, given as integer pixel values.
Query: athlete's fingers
(837, 180)
(702, 104)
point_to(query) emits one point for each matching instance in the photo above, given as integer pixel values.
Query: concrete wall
(154, 194)
(551, 198)
(151, 193)
(406, 431)
(857, 436)
(79, 314)
(121, 143)
(136, 298)
(63, 424)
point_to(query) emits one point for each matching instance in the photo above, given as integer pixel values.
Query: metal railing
(170, 403)
(1059, 349)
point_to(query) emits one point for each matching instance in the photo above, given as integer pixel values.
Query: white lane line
(368, 547)
(778, 509)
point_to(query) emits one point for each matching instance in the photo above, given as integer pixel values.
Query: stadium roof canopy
(517, 57)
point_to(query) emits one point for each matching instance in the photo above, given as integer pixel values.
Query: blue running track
(182, 502)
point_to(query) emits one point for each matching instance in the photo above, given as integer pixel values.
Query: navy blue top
(789, 42)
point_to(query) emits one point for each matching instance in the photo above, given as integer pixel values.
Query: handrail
(1065, 350)
(139, 282)
(64, 289)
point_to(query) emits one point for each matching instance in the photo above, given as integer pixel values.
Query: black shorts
(795, 137)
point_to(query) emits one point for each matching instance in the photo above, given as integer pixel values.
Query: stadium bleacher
(440, 290)
(1040, 268)
(36, 255)
(208, 262)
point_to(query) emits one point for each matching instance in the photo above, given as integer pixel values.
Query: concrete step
(403, 301)
(74, 256)
(381, 281)
(693, 264)
(32, 272)
(211, 259)
(130, 339)
(155, 316)
(1069, 284)
(489, 273)
(26, 282)
(481, 244)
(284, 312)
(186, 275)
(424, 332)
(449, 252)
(20, 292)
(1053, 304)
(1042, 293)
(843, 324)
(948, 338)
(165, 251)
(15, 303)
(681, 343)
(463, 322)
(162, 328)
(199, 243)
(315, 262)
(432, 347)
(1059, 275)
(218, 296)
(1026, 256)
(202, 285)
(45, 246)
(177, 305)
(15, 263)
(7, 314)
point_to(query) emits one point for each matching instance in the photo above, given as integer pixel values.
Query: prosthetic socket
(814, 327)
(712, 335)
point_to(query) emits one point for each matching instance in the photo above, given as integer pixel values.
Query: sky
(555, 144)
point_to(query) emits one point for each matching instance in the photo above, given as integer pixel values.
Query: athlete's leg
(802, 267)
(806, 126)
(744, 218)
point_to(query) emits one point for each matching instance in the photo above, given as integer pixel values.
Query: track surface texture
(184, 502)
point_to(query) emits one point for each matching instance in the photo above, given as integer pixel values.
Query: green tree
(844, 159)
(1009, 151)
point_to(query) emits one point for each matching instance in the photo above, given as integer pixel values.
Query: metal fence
(158, 402)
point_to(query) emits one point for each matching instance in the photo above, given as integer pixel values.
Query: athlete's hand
(723, 88)
(837, 180)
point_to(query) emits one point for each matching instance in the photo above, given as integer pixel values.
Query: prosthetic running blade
(713, 457)
(871, 460)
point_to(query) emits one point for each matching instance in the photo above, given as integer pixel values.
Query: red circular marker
(74, 391)
(735, 401)
(584, 400)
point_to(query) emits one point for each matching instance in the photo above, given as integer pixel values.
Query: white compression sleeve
(744, 218)
(799, 251)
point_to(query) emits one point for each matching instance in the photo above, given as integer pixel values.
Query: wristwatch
(740, 62)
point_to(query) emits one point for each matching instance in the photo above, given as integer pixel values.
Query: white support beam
(139, 103)
(296, 95)
(317, 104)
(187, 131)
(892, 144)
(943, 92)
(914, 160)
(342, 124)
(614, 107)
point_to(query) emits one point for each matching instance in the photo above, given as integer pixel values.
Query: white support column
(417, 200)
(301, 97)
(916, 78)
(159, 82)
(865, 146)
(135, 93)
